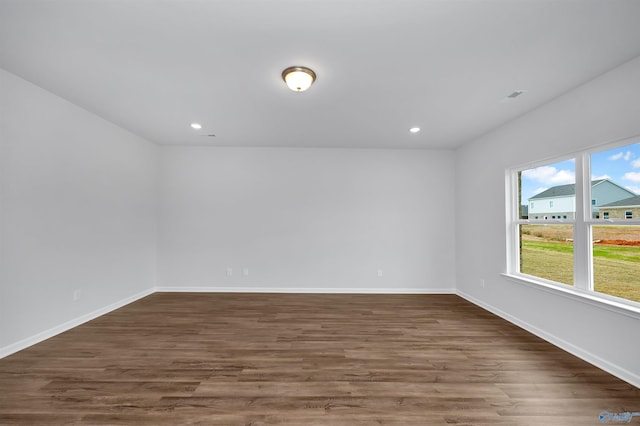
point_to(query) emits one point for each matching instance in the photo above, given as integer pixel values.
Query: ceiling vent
(515, 94)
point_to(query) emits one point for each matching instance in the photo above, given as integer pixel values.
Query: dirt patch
(634, 243)
(618, 235)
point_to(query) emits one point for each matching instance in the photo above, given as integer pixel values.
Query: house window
(593, 255)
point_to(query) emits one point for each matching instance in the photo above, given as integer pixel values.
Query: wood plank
(293, 359)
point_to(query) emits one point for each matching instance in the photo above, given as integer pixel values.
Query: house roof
(627, 202)
(562, 190)
(570, 189)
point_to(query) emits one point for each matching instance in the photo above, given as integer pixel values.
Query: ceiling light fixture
(414, 129)
(196, 126)
(298, 79)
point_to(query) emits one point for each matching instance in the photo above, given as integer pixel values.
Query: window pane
(546, 251)
(616, 261)
(548, 192)
(615, 175)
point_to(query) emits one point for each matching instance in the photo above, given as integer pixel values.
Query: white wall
(77, 206)
(604, 110)
(306, 219)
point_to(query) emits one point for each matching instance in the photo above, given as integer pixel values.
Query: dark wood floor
(241, 359)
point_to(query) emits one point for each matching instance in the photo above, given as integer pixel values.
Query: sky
(620, 165)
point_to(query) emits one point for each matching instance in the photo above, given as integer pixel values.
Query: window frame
(583, 287)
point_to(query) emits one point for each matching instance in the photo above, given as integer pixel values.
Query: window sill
(578, 296)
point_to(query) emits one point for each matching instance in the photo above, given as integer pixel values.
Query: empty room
(306, 212)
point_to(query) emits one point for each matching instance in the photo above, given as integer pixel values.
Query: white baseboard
(44, 335)
(311, 290)
(626, 375)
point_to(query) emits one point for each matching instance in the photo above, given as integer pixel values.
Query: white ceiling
(155, 66)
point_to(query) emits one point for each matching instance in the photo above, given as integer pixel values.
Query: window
(546, 249)
(580, 250)
(547, 252)
(615, 264)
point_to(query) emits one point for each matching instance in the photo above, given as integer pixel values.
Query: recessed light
(414, 129)
(196, 126)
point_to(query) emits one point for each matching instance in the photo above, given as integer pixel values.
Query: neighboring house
(629, 208)
(559, 202)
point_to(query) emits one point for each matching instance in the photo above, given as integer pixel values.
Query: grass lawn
(549, 255)
(550, 260)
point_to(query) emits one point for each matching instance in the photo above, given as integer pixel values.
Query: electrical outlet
(76, 295)
(245, 272)
(229, 272)
(379, 272)
(482, 282)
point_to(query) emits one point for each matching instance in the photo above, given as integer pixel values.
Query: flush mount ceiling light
(298, 79)
(196, 126)
(414, 129)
